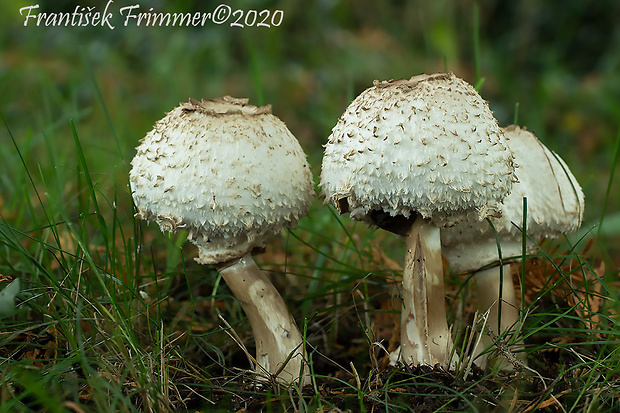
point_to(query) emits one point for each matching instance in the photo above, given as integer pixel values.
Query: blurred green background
(554, 64)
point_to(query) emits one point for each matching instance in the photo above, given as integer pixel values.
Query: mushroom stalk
(488, 287)
(279, 345)
(425, 336)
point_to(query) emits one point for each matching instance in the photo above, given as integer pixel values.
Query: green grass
(114, 316)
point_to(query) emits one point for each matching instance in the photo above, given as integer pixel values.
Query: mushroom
(231, 175)
(412, 156)
(555, 205)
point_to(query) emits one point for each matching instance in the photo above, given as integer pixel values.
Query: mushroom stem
(425, 336)
(489, 285)
(279, 345)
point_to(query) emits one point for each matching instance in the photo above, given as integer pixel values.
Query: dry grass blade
(235, 337)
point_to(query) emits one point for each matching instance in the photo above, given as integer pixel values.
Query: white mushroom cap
(229, 173)
(555, 205)
(429, 145)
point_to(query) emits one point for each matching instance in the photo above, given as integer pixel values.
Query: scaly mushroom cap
(428, 145)
(229, 173)
(555, 205)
